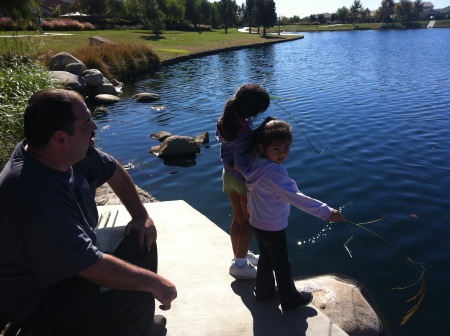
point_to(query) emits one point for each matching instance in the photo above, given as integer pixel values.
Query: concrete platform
(195, 254)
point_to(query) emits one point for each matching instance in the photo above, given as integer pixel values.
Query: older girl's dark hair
(49, 111)
(272, 130)
(249, 101)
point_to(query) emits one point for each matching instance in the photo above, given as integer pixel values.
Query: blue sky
(304, 8)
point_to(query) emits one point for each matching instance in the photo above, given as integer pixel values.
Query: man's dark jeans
(79, 307)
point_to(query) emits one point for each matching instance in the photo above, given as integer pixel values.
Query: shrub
(20, 77)
(119, 60)
(67, 24)
(8, 24)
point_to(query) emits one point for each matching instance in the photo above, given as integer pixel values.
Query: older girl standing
(233, 130)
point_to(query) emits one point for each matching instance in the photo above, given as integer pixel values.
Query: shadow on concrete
(268, 318)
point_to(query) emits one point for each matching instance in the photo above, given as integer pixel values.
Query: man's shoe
(159, 325)
(252, 258)
(303, 299)
(247, 272)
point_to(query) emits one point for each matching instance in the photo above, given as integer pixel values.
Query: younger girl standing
(233, 129)
(271, 191)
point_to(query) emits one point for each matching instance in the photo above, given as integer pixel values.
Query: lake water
(370, 112)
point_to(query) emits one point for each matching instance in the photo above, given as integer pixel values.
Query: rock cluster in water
(74, 75)
(178, 146)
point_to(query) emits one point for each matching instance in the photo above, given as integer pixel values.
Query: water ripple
(370, 116)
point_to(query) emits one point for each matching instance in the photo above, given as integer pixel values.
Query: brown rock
(342, 301)
(106, 196)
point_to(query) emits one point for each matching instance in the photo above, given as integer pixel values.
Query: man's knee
(129, 251)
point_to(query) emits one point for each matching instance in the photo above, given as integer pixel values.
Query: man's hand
(165, 293)
(123, 186)
(115, 273)
(146, 229)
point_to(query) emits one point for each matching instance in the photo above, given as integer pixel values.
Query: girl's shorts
(232, 184)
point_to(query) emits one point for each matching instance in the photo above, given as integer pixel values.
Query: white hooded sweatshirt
(271, 192)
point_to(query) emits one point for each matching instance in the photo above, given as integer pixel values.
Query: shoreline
(272, 40)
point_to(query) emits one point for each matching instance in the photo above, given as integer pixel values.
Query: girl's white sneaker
(247, 272)
(252, 258)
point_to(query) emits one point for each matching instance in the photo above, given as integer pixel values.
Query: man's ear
(59, 137)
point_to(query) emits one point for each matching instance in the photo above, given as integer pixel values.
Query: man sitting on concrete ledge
(53, 278)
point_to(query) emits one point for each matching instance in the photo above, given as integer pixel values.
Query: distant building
(45, 11)
(443, 13)
(428, 6)
(48, 7)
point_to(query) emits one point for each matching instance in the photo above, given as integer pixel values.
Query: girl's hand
(336, 217)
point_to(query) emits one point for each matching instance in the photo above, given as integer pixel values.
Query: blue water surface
(370, 114)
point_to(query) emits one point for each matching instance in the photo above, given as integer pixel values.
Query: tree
(404, 10)
(417, 9)
(215, 14)
(93, 7)
(57, 11)
(321, 18)
(295, 19)
(116, 8)
(227, 11)
(355, 10)
(174, 11)
(342, 14)
(154, 16)
(149, 12)
(365, 15)
(192, 13)
(386, 11)
(19, 10)
(205, 11)
(134, 9)
(249, 13)
(266, 15)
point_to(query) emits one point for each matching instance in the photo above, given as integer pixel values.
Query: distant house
(428, 12)
(49, 6)
(45, 11)
(444, 12)
(427, 6)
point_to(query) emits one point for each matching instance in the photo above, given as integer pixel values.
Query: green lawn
(170, 45)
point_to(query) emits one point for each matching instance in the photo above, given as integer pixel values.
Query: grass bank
(19, 81)
(170, 45)
(23, 58)
(361, 26)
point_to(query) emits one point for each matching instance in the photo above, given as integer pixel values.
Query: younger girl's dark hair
(249, 101)
(272, 130)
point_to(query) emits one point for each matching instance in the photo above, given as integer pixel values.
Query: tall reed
(119, 61)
